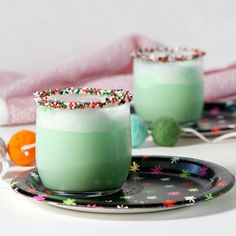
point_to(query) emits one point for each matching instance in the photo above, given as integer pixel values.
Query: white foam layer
(84, 120)
(181, 72)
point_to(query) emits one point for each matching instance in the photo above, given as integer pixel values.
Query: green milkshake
(83, 150)
(166, 84)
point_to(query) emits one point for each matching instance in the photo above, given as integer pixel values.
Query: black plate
(155, 183)
(217, 118)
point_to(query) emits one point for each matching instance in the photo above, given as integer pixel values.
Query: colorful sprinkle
(156, 170)
(190, 199)
(185, 173)
(220, 183)
(169, 203)
(215, 129)
(121, 207)
(203, 171)
(193, 189)
(215, 111)
(114, 96)
(173, 193)
(126, 197)
(134, 167)
(39, 197)
(165, 179)
(151, 197)
(208, 197)
(146, 157)
(91, 205)
(69, 202)
(35, 176)
(174, 160)
(163, 55)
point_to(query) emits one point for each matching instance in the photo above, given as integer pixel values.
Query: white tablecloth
(22, 216)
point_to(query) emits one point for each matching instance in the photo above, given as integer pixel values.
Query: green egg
(165, 131)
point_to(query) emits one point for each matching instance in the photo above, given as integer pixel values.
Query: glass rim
(110, 97)
(167, 54)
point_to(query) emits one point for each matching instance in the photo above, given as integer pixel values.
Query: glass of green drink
(83, 142)
(168, 82)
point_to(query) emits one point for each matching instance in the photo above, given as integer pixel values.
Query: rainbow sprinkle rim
(162, 55)
(114, 96)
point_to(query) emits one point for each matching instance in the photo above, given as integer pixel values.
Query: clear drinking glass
(168, 82)
(4, 166)
(83, 142)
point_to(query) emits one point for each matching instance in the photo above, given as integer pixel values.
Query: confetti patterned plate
(218, 118)
(155, 183)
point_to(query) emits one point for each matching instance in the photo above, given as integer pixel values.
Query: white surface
(21, 216)
(37, 34)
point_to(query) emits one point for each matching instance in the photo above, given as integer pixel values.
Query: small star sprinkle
(69, 202)
(190, 199)
(209, 196)
(121, 207)
(169, 203)
(220, 183)
(91, 205)
(174, 160)
(185, 173)
(35, 176)
(173, 193)
(39, 197)
(203, 171)
(151, 197)
(134, 167)
(156, 170)
(193, 189)
(165, 179)
(146, 157)
(126, 197)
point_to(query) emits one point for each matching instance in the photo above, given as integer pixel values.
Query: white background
(38, 34)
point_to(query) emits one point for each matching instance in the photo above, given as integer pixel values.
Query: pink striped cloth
(109, 67)
(220, 83)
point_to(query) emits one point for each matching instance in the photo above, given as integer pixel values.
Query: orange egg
(17, 153)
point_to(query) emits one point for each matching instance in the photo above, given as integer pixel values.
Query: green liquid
(169, 89)
(83, 161)
(182, 102)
